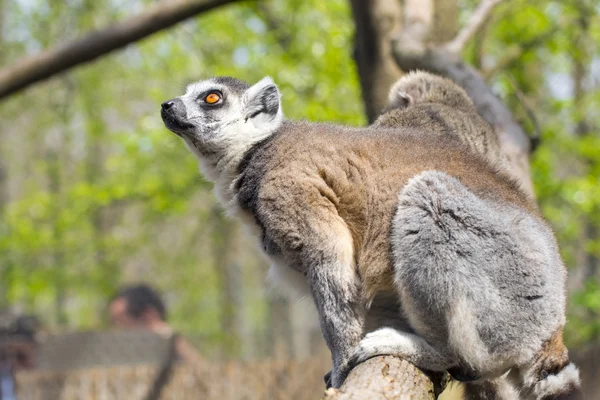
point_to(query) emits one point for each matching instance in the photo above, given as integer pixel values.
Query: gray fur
(481, 283)
(453, 250)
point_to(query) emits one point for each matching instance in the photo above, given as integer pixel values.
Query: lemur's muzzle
(174, 116)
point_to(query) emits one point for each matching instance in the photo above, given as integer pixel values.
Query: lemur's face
(223, 112)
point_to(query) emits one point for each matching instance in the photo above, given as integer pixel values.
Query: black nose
(167, 104)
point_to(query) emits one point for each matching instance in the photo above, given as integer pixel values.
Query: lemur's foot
(373, 344)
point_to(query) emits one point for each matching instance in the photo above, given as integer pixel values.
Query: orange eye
(212, 98)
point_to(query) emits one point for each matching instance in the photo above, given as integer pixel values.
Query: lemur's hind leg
(480, 282)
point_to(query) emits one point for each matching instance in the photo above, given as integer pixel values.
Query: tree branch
(418, 19)
(386, 378)
(535, 137)
(514, 141)
(50, 62)
(480, 15)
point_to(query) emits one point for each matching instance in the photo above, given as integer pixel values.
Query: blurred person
(17, 350)
(141, 307)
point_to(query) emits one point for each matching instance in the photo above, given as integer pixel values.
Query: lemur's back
(441, 120)
(361, 172)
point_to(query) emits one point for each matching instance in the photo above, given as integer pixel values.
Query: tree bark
(50, 62)
(55, 186)
(385, 378)
(6, 263)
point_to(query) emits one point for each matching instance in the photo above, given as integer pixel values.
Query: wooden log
(387, 378)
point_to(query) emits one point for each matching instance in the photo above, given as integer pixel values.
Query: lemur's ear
(262, 98)
(399, 99)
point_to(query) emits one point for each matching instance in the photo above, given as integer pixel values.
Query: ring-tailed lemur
(359, 214)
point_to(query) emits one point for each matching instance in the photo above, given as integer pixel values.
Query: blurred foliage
(99, 192)
(543, 58)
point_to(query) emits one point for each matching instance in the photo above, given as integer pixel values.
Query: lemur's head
(423, 87)
(224, 114)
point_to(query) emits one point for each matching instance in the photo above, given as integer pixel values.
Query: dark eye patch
(204, 98)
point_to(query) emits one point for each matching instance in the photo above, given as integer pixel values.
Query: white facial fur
(220, 134)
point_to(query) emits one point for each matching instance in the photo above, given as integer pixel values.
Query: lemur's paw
(337, 377)
(327, 379)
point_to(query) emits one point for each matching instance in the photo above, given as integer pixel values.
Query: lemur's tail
(550, 375)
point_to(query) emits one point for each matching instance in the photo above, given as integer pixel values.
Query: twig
(480, 15)
(50, 62)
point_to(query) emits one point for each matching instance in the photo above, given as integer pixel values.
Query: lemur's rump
(367, 217)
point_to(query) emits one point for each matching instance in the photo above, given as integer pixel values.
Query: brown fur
(351, 182)
(553, 356)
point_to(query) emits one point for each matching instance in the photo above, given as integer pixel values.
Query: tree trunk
(280, 344)
(5, 260)
(100, 215)
(375, 22)
(58, 256)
